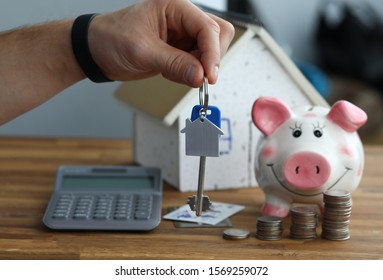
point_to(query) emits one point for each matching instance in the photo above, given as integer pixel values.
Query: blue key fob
(213, 114)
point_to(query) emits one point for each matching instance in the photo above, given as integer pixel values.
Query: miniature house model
(254, 66)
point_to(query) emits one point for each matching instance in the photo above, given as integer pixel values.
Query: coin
(336, 215)
(337, 195)
(235, 233)
(304, 221)
(269, 219)
(269, 228)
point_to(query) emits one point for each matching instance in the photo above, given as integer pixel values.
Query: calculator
(105, 198)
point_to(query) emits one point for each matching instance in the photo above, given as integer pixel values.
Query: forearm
(171, 37)
(36, 63)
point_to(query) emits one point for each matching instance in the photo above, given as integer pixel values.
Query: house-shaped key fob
(202, 137)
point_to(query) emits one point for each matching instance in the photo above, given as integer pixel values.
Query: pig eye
(297, 133)
(318, 133)
(318, 130)
(297, 130)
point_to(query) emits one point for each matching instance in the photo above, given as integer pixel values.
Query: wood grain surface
(27, 173)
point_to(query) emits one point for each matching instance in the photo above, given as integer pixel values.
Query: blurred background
(337, 44)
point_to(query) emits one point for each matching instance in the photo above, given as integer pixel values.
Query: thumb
(178, 66)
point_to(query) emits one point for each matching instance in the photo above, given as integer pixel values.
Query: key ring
(204, 96)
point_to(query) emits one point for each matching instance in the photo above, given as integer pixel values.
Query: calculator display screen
(102, 183)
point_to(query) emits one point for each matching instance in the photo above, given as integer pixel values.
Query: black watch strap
(81, 50)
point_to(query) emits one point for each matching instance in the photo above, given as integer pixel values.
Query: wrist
(81, 50)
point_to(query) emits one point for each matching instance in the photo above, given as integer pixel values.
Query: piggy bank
(305, 151)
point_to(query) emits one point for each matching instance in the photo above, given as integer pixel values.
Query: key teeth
(191, 201)
(206, 204)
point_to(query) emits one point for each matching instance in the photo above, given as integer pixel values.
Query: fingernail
(189, 75)
(216, 71)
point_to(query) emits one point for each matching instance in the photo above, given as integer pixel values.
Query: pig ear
(347, 116)
(269, 113)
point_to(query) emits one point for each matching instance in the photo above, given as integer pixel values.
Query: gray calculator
(105, 198)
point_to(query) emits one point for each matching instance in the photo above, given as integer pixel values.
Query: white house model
(254, 66)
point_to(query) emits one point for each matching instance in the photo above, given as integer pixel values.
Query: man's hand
(171, 37)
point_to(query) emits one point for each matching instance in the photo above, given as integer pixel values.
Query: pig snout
(307, 170)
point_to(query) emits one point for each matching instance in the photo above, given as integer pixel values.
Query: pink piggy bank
(306, 151)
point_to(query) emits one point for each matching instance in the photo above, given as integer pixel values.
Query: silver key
(202, 139)
(200, 202)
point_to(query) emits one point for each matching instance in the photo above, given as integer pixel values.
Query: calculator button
(60, 215)
(118, 216)
(65, 200)
(143, 207)
(101, 211)
(100, 216)
(123, 207)
(124, 203)
(83, 207)
(142, 215)
(80, 216)
(83, 204)
(63, 206)
(59, 211)
(66, 197)
(103, 207)
(82, 212)
(123, 212)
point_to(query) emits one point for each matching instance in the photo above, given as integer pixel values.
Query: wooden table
(27, 174)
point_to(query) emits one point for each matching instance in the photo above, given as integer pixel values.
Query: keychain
(202, 132)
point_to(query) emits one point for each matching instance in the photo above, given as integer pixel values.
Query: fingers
(226, 33)
(213, 44)
(171, 37)
(213, 36)
(208, 41)
(177, 65)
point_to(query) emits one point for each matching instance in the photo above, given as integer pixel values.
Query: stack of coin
(304, 221)
(336, 215)
(269, 228)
